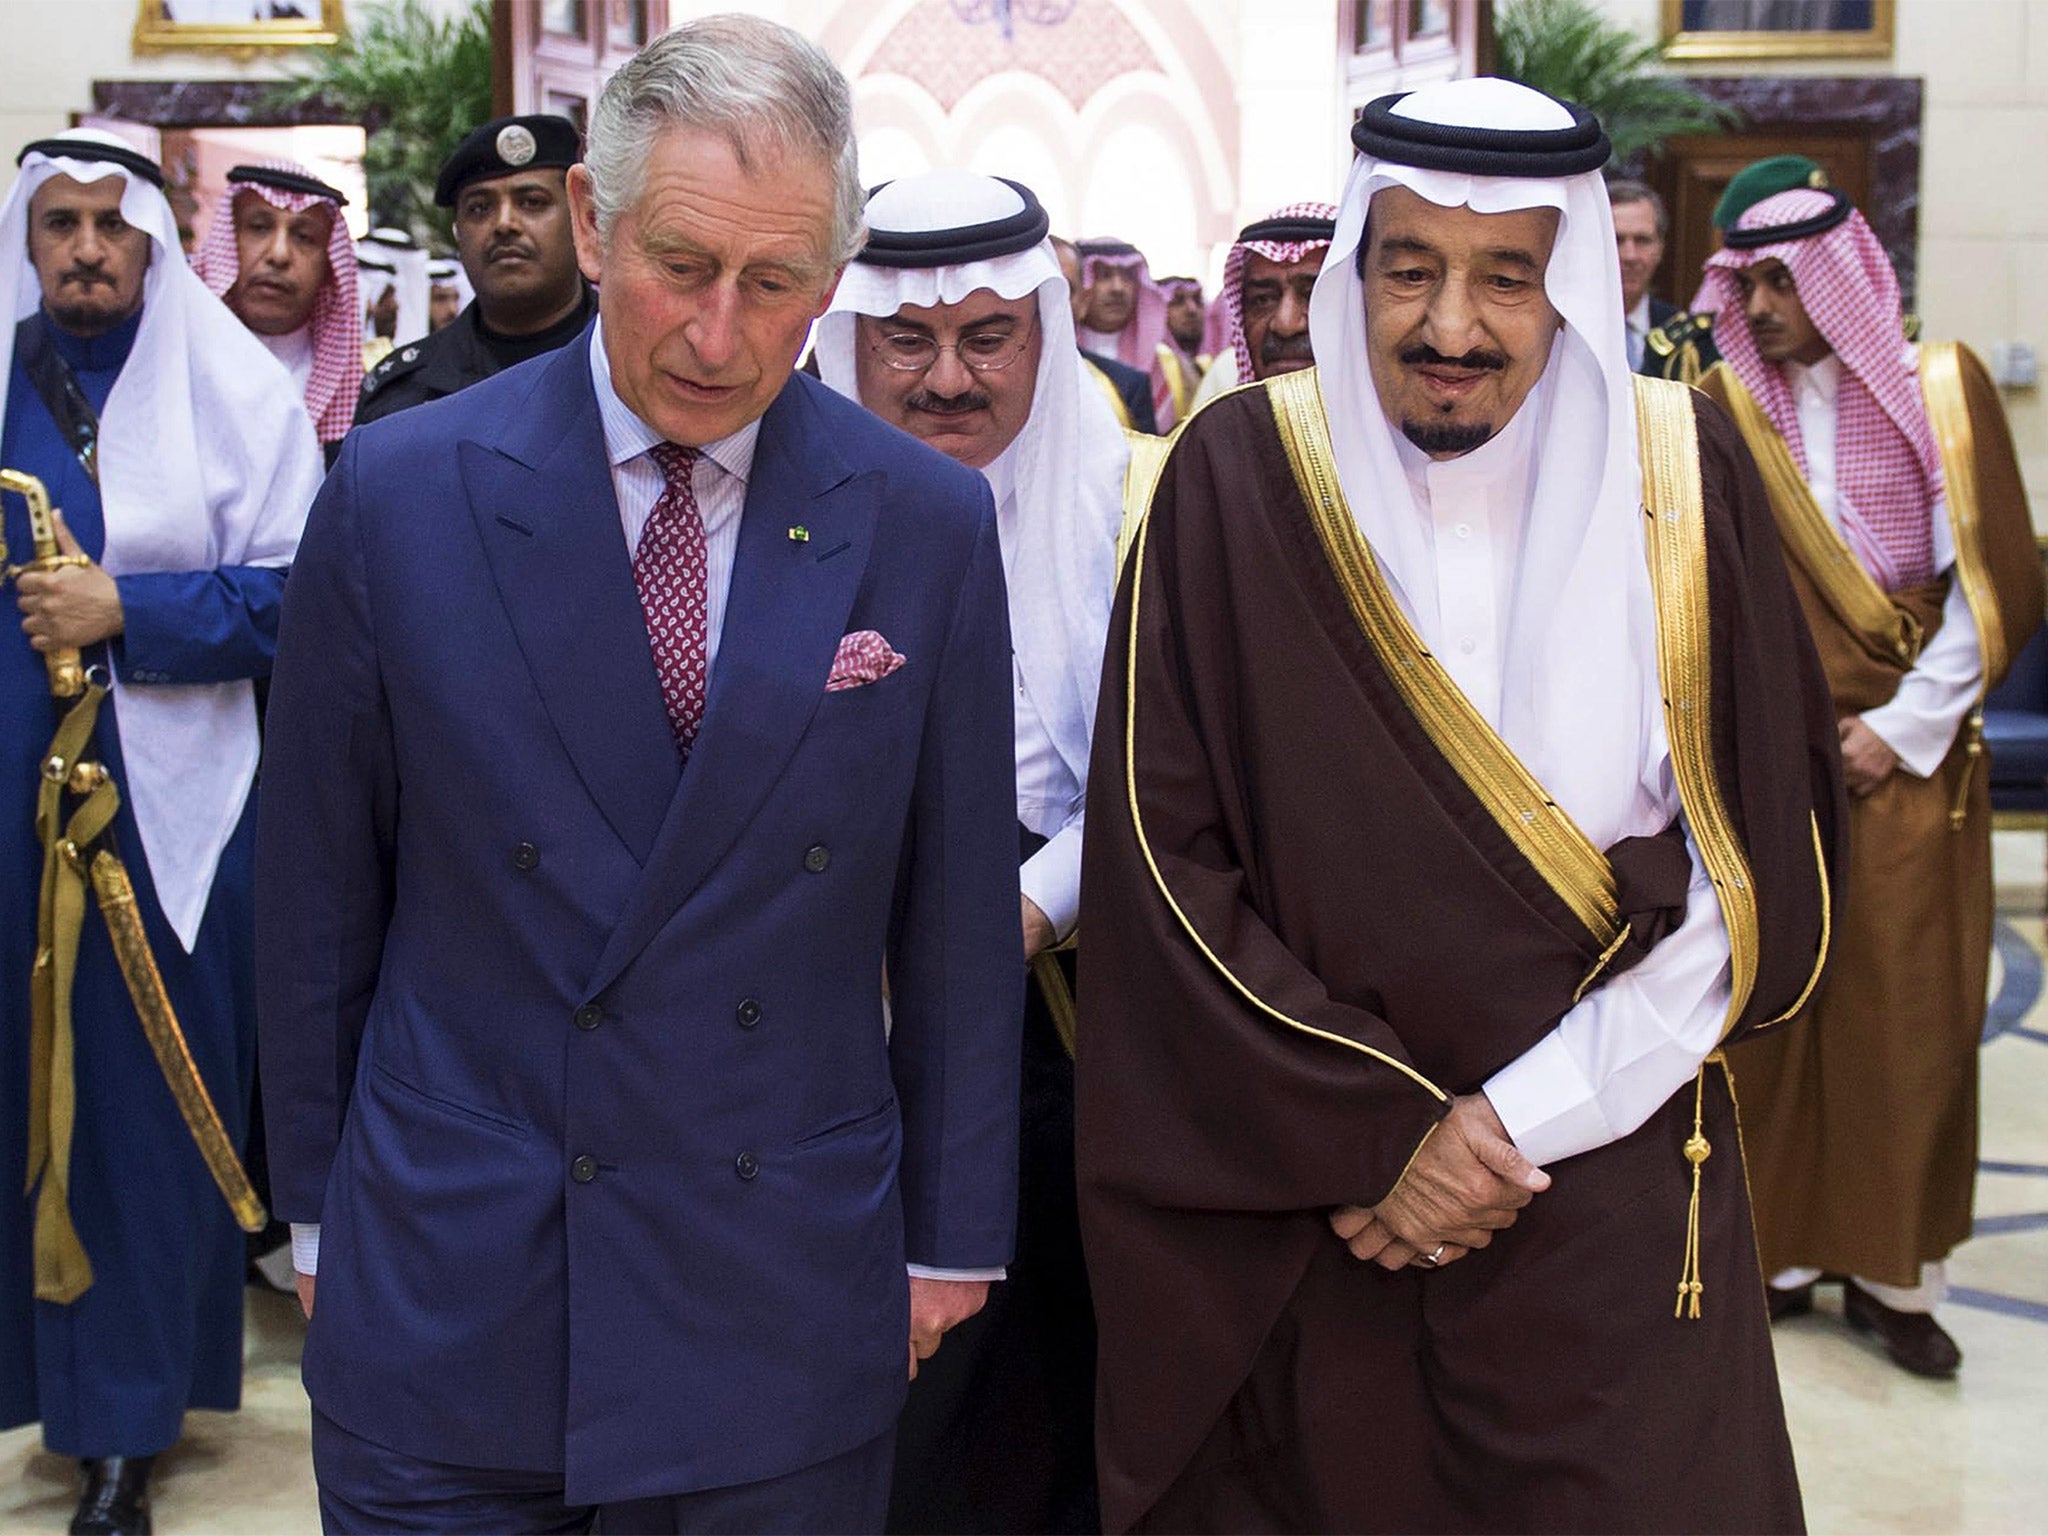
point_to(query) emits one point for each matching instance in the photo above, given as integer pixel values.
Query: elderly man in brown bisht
(1891, 472)
(1466, 779)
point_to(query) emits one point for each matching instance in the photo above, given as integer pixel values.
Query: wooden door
(1863, 131)
(555, 55)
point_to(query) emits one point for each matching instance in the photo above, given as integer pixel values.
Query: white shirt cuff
(1051, 877)
(1920, 720)
(1627, 1046)
(928, 1272)
(306, 1247)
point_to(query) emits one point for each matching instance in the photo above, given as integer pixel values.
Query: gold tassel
(1697, 1151)
(1973, 748)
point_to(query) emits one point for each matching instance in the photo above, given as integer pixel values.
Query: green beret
(1766, 178)
(505, 145)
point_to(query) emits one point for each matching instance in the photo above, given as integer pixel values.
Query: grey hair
(767, 91)
(1619, 191)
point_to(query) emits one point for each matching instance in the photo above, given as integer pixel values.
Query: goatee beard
(85, 320)
(1447, 436)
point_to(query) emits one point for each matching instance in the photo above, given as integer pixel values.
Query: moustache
(1422, 355)
(85, 277)
(511, 248)
(947, 405)
(1288, 349)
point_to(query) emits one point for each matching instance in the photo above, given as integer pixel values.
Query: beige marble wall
(1984, 177)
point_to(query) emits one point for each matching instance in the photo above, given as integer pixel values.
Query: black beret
(505, 145)
(286, 181)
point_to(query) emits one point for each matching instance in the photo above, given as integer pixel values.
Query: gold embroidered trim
(1827, 927)
(1676, 508)
(1538, 826)
(1159, 879)
(1948, 412)
(1811, 540)
(1176, 380)
(1141, 479)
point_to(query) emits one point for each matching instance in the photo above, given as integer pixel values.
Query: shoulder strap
(57, 387)
(1673, 502)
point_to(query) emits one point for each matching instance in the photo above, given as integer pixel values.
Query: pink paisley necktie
(670, 570)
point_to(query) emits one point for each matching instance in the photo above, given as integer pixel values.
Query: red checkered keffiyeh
(337, 375)
(1887, 468)
(1286, 252)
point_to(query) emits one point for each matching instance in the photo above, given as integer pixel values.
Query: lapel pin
(799, 534)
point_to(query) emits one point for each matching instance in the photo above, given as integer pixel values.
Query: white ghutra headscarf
(206, 459)
(1069, 459)
(1579, 694)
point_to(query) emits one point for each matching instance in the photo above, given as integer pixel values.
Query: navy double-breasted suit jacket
(578, 1057)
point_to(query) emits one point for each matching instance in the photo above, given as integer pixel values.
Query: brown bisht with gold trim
(1321, 897)
(1862, 1128)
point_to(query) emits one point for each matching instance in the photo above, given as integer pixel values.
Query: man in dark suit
(1640, 227)
(635, 708)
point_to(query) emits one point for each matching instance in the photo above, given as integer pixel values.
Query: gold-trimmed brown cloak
(1308, 928)
(1861, 1129)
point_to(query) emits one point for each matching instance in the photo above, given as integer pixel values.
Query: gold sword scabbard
(67, 671)
(160, 1023)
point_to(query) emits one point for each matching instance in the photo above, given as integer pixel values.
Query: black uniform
(456, 356)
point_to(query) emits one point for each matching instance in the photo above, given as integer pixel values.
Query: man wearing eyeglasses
(963, 337)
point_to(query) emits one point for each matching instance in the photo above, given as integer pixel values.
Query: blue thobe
(160, 1330)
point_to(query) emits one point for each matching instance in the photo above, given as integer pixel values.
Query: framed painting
(163, 26)
(1778, 29)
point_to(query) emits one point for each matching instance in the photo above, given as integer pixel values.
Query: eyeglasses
(981, 352)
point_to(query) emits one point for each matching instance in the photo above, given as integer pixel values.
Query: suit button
(525, 857)
(749, 1014)
(817, 858)
(746, 1165)
(589, 1016)
(584, 1169)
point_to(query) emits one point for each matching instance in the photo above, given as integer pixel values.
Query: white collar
(1638, 317)
(626, 436)
(1823, 379)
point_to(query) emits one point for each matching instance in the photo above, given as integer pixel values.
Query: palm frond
(417, 80)
(1568, 49)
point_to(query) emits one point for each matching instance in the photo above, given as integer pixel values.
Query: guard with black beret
(537, 141)
(507, 185)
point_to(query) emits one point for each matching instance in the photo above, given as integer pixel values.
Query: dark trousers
(367, 1487)
(999, 1431)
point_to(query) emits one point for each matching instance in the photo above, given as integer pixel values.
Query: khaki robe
(1862, 1128)
(1308, 926)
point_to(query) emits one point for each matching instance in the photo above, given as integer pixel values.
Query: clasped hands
(70, 606)
(1467, 1182)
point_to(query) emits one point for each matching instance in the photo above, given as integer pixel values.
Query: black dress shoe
(1914, 1340)
(1790, 1301)
(116, 1497)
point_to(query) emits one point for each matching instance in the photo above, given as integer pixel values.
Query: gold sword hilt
(66, 667)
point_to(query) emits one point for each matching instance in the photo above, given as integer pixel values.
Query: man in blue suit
(634, 710)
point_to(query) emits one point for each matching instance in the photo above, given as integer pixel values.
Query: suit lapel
(548, 519)
(785, 614)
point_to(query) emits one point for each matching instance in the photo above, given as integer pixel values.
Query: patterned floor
(1879, 1451)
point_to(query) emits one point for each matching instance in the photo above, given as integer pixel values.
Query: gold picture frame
(158, 28)
(1868, 42)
